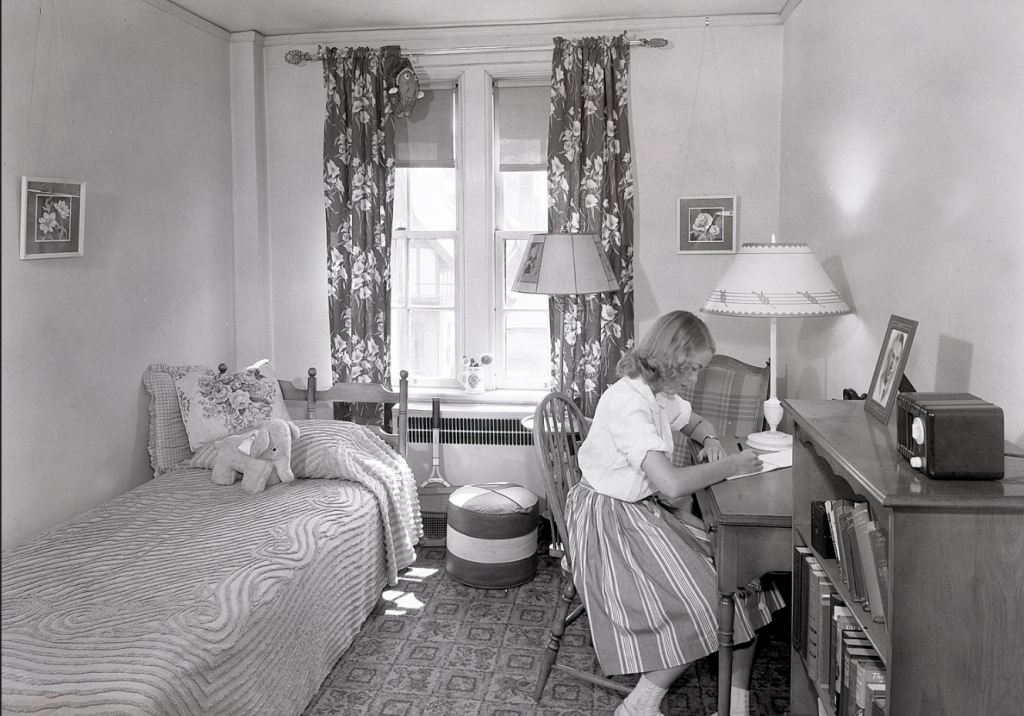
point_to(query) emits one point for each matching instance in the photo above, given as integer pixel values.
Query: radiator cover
(476, 449)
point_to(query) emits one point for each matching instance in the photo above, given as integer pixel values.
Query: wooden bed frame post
(358, 393)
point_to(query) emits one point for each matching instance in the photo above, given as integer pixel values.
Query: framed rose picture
(52, 218)
(706, 224)
(892, 359)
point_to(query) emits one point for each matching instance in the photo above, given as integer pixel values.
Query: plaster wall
(904, 170)
(136, 103)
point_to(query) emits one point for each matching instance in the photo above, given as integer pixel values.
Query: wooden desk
(749, 521)
(953, 639)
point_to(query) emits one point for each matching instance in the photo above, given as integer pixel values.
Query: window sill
(505, 401)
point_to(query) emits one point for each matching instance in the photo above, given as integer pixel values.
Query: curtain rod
(298, 57)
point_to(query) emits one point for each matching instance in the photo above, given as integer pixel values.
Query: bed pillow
(215, 406)
(315, 436)
(168, 440)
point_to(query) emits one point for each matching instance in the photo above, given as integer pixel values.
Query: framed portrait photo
(706, 224)
(52, 218)
(892, 359)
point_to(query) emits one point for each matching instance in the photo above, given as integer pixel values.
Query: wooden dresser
(954, 642)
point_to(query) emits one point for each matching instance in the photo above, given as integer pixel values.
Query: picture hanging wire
(299, 58)
(708, 37)
(36, 142)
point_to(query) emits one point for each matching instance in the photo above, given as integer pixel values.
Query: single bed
(186, 597)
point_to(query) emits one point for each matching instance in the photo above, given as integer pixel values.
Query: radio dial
(917, 462)
(917, 432)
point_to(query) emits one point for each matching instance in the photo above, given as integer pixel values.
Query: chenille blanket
(186, 597)
(331, 449)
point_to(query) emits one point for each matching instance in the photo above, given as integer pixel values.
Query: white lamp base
(770, 440)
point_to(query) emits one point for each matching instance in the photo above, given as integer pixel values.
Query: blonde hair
(661, 356)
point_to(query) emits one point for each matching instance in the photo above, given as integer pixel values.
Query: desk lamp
(776, 281)
(563, 265)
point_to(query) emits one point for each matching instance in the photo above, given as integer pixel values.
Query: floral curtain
(359, 180)
(590, 190)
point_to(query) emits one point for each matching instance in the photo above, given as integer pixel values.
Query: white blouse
(629, 422)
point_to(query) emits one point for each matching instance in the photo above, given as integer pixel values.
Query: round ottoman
(492, 535)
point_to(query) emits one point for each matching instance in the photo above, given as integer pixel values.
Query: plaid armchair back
(729, 393)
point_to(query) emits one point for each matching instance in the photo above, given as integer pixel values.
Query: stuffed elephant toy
(262, 458)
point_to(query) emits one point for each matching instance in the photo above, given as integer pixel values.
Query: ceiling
(291, 17)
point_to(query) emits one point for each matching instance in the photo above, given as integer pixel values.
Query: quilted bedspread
(185, 597)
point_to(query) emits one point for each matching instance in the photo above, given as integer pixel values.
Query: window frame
(479, 325)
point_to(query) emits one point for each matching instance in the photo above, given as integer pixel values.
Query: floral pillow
(215, 406)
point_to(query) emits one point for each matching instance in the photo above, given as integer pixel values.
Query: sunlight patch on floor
(403, 602)
(419, 573)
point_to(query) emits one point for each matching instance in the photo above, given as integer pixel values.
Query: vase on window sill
(472, 379)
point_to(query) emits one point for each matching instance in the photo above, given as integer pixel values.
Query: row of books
(844, 530)
(846, 668)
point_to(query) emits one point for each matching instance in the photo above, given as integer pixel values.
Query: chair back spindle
(559, 429)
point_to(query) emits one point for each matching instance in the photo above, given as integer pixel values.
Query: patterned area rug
(435, 646)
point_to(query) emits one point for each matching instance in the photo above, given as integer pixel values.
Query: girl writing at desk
(645, 572)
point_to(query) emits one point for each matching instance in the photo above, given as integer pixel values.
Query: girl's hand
(711, 451)
(745, 462)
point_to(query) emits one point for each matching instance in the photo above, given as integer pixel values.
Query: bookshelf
(953, 639)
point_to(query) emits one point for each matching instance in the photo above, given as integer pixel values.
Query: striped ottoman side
(492, 535)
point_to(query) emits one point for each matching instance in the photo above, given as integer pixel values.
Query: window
(424, 242)
(470, 188)
(521, 114)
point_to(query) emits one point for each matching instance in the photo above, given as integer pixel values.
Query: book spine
(859, 517)
(856, 655)
(828, 603)
(879, 538)
(845, 522)
(821, 531)
(868, 672)
(842, 621)
(801, 575)
(855, 645)
(832, 512)
(876, 700)
(873, 588)
(818, 582)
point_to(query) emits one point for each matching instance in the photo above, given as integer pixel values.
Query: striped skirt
(649, 584)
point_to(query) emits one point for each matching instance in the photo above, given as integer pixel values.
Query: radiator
(475, 448)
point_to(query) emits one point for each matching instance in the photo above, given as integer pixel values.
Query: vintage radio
(955, 436)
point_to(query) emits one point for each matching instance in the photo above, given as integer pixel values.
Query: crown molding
(249, 37)
(787, 10)
(189, 18)
(512, 34)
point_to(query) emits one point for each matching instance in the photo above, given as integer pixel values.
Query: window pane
(524, 201)
(522, 114)
(424, 200)
(399, 295)
(426, 138)
(514, 249)
(432, 272)
(399, 343)
(526, 345)
(431, 343)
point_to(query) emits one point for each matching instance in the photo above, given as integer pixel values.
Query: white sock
(645, 698)
(739, 702)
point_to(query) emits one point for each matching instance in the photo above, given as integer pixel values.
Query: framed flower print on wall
(52, 218)
(706, 224)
